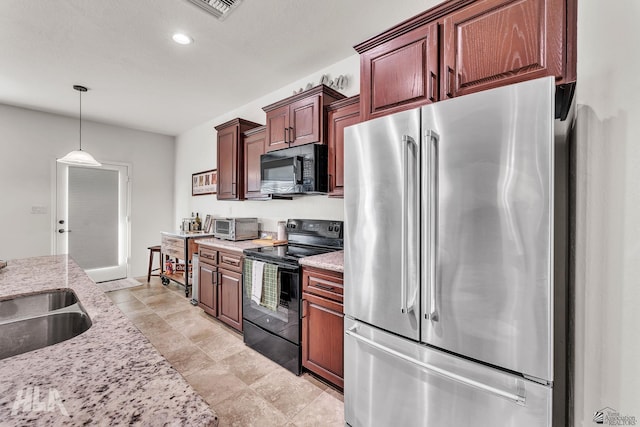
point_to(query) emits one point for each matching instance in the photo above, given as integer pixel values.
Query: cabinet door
(498, 42)
(254, 146)
(304, 121)
(230, 298)
(323, 338)
(401, 73)
(338, 120)
(207, 288)
(277, 128)
(228, 163)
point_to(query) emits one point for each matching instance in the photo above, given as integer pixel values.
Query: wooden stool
(152, 250)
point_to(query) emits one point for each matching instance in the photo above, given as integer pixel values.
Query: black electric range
(277, 333)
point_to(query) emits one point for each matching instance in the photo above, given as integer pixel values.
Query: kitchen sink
(35, 304)
(39, 320)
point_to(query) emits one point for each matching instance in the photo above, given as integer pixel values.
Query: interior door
(92, 218)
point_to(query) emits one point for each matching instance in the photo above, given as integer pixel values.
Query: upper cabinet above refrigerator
(463, 46)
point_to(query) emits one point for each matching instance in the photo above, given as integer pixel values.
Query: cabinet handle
(219, 278)
(214, 279)
(321, 286)
(449, 82)
(432, 86)
(330, 183)
(231, 261)
(286, 133)
(290, 139)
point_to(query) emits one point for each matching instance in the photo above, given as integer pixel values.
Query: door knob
(61, 221)
(62, 230)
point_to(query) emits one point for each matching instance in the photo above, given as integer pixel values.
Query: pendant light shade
(79, 157)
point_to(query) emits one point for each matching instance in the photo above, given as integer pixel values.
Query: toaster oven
(235, 228)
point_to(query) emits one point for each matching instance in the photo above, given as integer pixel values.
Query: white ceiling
(139, 78)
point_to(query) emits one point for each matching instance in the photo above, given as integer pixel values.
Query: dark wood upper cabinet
(343, 113)
(464, 46)
(231, 158)
(254, 146)
(401, 73)
(493, 43)
(299, 119)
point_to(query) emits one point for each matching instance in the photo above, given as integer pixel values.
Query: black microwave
(294, 170)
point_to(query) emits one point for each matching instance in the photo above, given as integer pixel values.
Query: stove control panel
(316, 227)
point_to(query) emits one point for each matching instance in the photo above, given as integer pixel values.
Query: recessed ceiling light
(182, 38)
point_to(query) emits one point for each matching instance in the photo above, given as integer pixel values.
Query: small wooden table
(179, 246)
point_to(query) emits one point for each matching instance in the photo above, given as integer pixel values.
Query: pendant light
(79, 157)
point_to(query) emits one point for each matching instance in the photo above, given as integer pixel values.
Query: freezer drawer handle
(519, 399)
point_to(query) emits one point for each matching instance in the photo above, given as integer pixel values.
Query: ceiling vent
(218, 8)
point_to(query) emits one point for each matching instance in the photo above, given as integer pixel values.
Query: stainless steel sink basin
(30, 322)
(38, 332)
(35, 304)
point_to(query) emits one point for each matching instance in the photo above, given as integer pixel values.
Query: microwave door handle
(297, 169)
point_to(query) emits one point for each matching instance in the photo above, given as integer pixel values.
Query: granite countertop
(108, 375)
(228, 244)
(333, 261)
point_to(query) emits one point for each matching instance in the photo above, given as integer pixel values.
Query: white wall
(608, 210)
(30, 141)
(196, 152)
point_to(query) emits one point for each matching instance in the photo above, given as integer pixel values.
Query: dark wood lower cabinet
(323, 324)
(220, 285)
(207, 288)
(322, 338)
(230, 298)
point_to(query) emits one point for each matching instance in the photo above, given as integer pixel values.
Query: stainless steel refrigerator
(456, 257)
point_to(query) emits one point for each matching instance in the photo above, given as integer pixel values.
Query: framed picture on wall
(208, 224)
(204, 182)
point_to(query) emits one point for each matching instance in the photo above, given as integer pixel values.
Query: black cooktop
(306, 238)
(284, 253)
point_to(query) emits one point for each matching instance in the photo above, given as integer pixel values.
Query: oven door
(285, 321)
(281, 175)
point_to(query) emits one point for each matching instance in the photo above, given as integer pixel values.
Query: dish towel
(247, 279)
(256, 281)
(271, 291)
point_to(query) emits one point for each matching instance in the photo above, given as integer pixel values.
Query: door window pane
(93, 217)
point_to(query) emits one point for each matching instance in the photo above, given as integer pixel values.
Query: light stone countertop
(228, 244)
(108, 375)
(333, 261)
(187, 234)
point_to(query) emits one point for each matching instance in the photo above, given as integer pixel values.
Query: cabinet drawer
(172, 246)
(230, 261)
(208, 256)
(323, 283)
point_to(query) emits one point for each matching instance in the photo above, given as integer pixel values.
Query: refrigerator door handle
(430, 233)
(407, 142)
(516, 398)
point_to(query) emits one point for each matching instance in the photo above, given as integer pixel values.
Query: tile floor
(243, 387)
